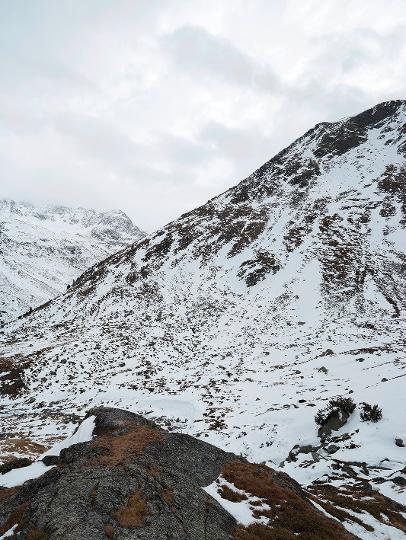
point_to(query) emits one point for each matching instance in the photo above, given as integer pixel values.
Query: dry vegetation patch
(15, 518)
(230, 495)
(109, 530)
(134, 514)
(356, 499)
(167, 496)
(126, 443)
(5, 493)
(21, 446)
(291, 514)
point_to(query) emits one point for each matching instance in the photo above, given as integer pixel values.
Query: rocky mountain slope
(241, 319)
(45, 249)
(132, 480)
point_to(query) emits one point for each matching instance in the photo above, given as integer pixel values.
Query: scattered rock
(399, 481)
(327, 352)
(332, 449)
(399, 442)
(50, 460)
(335, 421)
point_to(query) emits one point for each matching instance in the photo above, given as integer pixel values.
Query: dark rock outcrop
(137, 481)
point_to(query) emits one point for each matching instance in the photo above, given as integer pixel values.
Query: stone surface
(137, 481)
(334, 422)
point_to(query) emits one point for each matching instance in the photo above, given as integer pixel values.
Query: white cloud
(154, 107)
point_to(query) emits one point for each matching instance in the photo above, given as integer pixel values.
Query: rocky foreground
(133, 479)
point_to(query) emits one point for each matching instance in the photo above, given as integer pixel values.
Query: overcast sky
(155, 106)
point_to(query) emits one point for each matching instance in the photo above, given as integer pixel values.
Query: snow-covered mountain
(242, 318)
(45, 249)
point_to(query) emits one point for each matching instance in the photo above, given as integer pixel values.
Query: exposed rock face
(43, 249)
(137, 481)
(334, 422)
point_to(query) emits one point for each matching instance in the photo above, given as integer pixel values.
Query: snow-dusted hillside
(45, 249)
(242, 318)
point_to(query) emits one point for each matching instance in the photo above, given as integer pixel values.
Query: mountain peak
(245, 317)
(44, 248)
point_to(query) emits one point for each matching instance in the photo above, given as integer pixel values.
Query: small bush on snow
(339, 404)
(370, 413)
(345, 404)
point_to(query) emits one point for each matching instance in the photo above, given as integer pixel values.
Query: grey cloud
(247, 148)
(97, 139)
(184, 151)
(166, 159)
(196, 50)
(156, 107)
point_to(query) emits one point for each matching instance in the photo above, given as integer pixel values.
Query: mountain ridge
(45, 248)
(239, 320)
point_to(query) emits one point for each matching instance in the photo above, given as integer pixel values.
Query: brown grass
(291, 514)
(227, 493)
(154, 471)
(167, 495)
(14, 518)
(336, 503)
(109, 530)
(5, 493)
(134, 514)
(128, 444)
(22, 446)
(36, 534)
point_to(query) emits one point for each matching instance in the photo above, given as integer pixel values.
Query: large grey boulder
(134, 480)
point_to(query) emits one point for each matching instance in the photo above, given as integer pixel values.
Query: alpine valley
(239, 321)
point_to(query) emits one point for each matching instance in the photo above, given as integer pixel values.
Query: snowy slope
(45, 249)
(239, 320)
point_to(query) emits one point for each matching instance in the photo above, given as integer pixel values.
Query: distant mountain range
(238, 321)
(42, 250)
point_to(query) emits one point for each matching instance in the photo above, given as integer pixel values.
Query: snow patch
(242, 511)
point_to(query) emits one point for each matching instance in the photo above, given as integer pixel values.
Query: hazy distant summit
(44, 248)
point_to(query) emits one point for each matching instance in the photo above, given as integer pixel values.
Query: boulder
(335, 421)
(134, 480)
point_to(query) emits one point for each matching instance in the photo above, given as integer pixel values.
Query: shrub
(370, 413)
(339, 404)
(345, 404)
